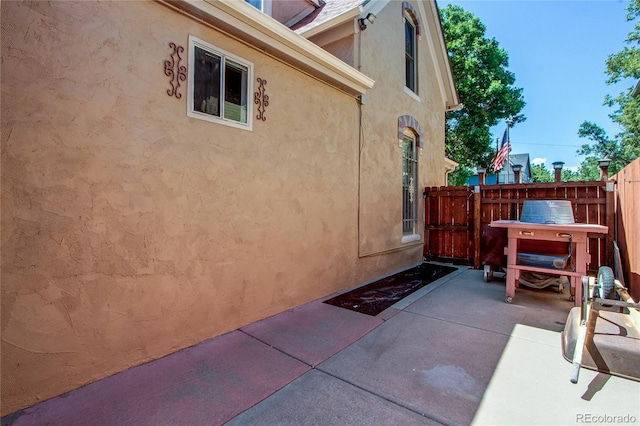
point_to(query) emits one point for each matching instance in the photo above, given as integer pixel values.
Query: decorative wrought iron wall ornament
(173, 69)
(261, 99)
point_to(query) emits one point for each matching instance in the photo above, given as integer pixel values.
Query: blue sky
(557, 51)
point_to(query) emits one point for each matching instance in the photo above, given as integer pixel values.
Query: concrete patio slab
(531, 386)
(317, 398)
(313, 332)
(482, 305)
(438, 367)
(203, 385)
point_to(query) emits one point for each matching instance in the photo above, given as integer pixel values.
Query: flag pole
(497, 171)
(508, 152)
(509, 122)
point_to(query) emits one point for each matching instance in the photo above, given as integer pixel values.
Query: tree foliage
(485, 87)
(460, 176)
(625, 146)
(589, 170)
(569, 175)
(539, 173)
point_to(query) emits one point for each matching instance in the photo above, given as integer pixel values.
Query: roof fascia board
(444, 62)
(439, 55)
(450, 164)
(346, 16)
(343, 31)
(374, 7)
(245, 22)
(432, 51)
(300, 16)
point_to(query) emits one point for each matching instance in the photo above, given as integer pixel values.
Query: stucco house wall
(383, 59)
(130, 230)
(378, 51)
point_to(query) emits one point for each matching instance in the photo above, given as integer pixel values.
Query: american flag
(501, 155)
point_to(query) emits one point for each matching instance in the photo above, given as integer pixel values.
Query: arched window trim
(409, 10)
(408, 121)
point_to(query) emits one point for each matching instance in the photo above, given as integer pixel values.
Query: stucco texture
(378, 51)
(383, 57)
(130, 230)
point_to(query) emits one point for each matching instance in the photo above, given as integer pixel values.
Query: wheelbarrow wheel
(606, 283)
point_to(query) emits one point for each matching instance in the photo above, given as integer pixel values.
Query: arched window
(409, 182)
(410, 139)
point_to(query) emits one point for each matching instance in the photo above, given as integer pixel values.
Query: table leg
(512, 276)
(582, 259)
(576, 290)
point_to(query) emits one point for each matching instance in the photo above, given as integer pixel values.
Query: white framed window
(410, 50)
(218, 86)
(409, 184)
(263, 5)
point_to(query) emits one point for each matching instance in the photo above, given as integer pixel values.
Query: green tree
(485, 87)
(589, 170)
(625, 146)
(569, 176)
(539, 173)
(460, 176)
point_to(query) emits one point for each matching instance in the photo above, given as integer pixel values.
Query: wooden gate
(449, 219)
(457, 218)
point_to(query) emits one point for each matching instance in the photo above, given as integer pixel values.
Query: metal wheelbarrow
(603, 334)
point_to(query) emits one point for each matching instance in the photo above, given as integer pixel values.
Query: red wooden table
(574, 234)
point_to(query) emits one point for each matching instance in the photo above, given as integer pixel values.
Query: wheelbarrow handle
(582, 331)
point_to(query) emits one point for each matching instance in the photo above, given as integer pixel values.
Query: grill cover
(547, 211)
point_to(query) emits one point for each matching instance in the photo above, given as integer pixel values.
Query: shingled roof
(330, 10)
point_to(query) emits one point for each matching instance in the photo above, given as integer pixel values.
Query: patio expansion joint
(457, 323)
(317, 367)
(276, 348)
(509, 335)
(392, 400)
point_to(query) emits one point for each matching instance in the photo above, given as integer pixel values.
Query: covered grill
(549, 212)
(547, 240)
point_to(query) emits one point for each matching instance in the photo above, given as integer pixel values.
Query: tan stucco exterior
(130, 230)
(378, 51)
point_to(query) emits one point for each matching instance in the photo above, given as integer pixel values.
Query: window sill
(224, 121)
(412, 94)
(410, 238)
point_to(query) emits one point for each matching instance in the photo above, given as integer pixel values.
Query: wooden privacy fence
(457, 218)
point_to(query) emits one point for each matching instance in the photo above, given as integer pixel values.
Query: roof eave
(245, 22)
(346, 16)
(452, 98)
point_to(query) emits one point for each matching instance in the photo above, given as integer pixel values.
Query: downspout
(359, 49)
(360, 139)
